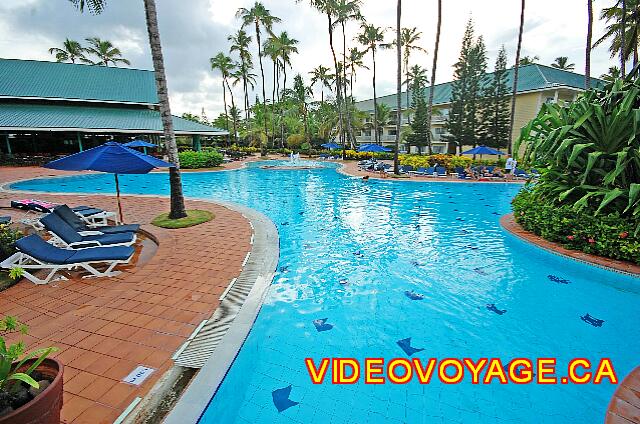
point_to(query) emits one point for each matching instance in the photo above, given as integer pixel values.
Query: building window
(393, 131)
(439, 130)
(438, 149)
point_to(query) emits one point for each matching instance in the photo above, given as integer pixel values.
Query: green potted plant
(30, 383)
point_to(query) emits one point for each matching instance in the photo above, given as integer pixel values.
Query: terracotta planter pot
(44, 408)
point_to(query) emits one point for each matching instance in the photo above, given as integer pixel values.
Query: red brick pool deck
(106, 327)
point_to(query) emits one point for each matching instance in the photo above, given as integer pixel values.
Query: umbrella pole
(118, 197)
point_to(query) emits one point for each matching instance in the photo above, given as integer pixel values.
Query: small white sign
(138, 375)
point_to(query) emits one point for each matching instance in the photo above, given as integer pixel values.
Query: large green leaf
(610, 197)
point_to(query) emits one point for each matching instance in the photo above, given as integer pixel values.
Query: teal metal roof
(22, 117)
(530, 78)
(52, 80)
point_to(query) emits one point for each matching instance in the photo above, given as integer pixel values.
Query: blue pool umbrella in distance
(330, 146)
(483, 150)
(141, 143)
(373, 148)
(113, 158)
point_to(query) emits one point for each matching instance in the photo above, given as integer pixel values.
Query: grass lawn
(194, 217)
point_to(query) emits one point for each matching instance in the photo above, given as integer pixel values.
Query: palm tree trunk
(233, 117)
(406, 70)
(434, 66)
(587, 63)
(263, 149)
(226, 113)
(175, 180)
(338, 90)
(347, 107)
(515, 79)
(623, 30)
(284, 88)
(375, 99)
(396, 164)
(273, 99)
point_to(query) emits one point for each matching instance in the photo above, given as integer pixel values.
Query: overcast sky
(192, 31)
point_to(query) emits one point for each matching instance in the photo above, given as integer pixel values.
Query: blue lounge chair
(35, 254)
(80, 225)
(421, 171)
(4, 220)
(406, 169)
(519, 173)
(441, 171)
(64, 235)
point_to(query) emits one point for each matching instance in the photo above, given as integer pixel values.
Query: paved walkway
(624, 407)
(104, 328)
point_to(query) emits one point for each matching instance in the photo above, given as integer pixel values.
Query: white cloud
(193, 31)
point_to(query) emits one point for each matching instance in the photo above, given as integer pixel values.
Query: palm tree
(328, 8)
(225, 65)
(287, 47)
(528, 60)
(515, 75)
(261, 17)
(612, 75)
(105, 51)
(71, 51)
(240, 42)
(587, 56)
(346, 11)
(370, 38)
(175, 180)
(624, 38)
(562, 62)
(271, 49)
(409, 38)
(433, 75)
(321, 75)
(354, 63)
(416, 77)
(396, 164)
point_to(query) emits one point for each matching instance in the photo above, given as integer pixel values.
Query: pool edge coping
(509, 224)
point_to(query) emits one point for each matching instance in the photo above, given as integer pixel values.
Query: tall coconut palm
(175, 179)
(409, 39)
(240, 42)
(434, 66)
(287, 48)
(396, 163)
(346, 11)
(328, 8)
(70, 52)
(354, 62)
(562, 62)
(225, 65)
(515, 75)
(260, 17)
(271, 49)
(105, 51)
(587, 56)
(322, 76)
(370, 38)
(623, 29)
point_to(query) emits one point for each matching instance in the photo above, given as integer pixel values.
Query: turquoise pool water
(382, 239)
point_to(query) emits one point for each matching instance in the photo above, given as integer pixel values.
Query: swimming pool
(349, 252)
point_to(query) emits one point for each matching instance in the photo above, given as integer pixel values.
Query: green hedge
(607, 235)
(197, 160)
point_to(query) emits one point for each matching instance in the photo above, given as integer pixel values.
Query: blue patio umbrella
(330, 146)
(110, 157)
(141, 143)
(373, 148)
(483, 150)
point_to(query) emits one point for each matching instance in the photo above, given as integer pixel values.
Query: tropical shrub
(606, 234)
(8, 238)
(249, 149)
(589, 150)
(197, 160)
(424, 161)
(294, 141)
(353, 155)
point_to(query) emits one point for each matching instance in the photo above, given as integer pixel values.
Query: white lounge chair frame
(27, 262)
(88, 244)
